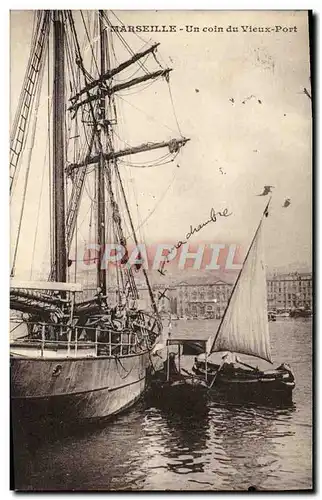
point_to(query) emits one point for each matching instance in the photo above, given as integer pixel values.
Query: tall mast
(59, 150)
(100, 181)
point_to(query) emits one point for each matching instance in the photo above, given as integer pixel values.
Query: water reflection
(96, 456)
(245, 436)
(217, 447)
(213, 446)
(174, 443)
(189, 434)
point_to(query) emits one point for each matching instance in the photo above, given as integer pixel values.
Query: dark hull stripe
(126, 385)
(79, 358)
(81, 418)
(71, 394)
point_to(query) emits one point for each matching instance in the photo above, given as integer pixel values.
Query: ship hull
(76, 389)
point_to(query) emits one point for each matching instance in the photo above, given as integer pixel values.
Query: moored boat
(271, 315)
(244, 330)
(172, 384)
(300, 313)
(237, 381)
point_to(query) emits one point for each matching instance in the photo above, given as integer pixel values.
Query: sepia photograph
(161, 299)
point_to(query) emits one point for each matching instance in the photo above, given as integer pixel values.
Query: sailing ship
(244, 330)
(73, 358)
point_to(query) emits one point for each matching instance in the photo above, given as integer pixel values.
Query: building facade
(289, 291)
(209, 300)
(206, 299)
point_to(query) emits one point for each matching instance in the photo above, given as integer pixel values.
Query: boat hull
(237, 391)
(183, 394)
(76, 389)
(246, 385)
(300, 314)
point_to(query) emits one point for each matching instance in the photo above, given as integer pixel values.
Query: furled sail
(244, 327)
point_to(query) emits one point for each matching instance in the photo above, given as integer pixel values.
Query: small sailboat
(244, 330)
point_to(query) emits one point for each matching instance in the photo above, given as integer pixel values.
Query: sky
(239, 97)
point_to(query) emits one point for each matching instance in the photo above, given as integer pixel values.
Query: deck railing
(101, 341)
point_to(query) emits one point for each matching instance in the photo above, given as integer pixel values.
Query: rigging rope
(129, 77)
(20, 129)
(136, 242)
(116, 222)
(163, 160)
(126, 45)
(90, 43)
(36, 29)
(138, 36)
(33, 135)
(155, 206)
(142, 86)
(147, 114)
(117, 359)
(39, 202)
(173, 108)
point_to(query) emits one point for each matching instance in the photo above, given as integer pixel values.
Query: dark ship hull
(76, 389)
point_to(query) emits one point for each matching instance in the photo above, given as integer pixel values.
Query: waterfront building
(208, 299)
(202, 300)
(289, 291)
(205, 297)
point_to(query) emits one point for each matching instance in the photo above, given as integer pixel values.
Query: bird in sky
(266, 190)
(287, 203)
(248, 98)
(232, 100)
(197, 90)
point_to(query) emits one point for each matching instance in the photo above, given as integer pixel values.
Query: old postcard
(161, 250)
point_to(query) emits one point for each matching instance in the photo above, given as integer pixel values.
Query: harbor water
(222, 446)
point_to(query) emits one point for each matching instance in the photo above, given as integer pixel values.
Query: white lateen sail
(244, 327)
